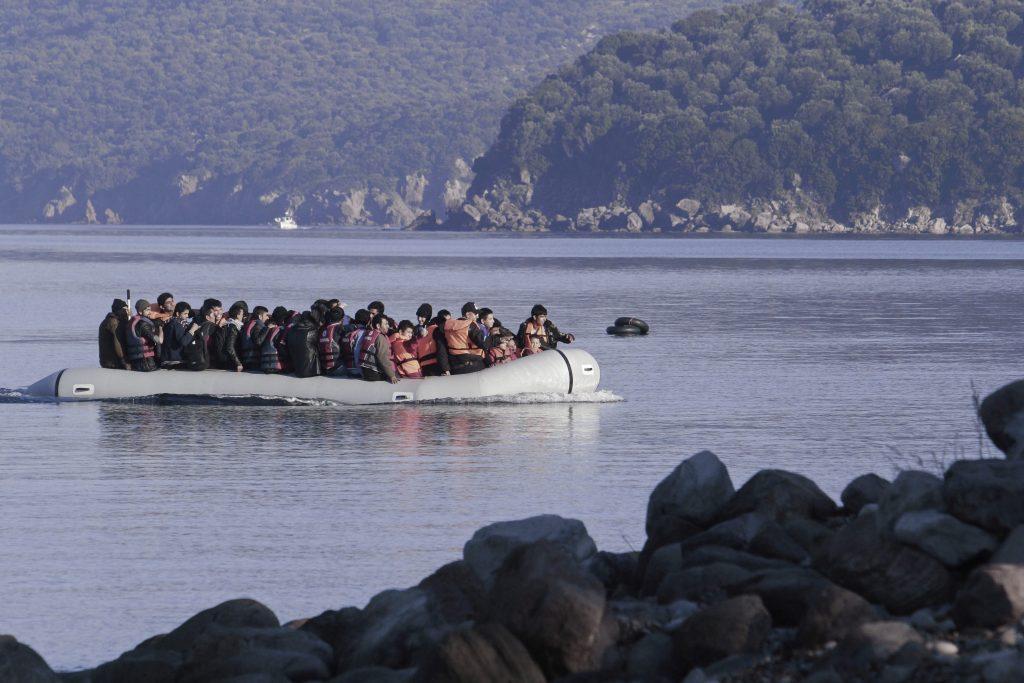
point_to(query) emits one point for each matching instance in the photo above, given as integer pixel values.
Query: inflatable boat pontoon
(558, 371)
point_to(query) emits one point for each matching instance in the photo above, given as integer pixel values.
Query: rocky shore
(916, 579)
(512, 209)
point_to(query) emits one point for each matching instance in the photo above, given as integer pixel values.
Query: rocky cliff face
(165, 194)
(509, 207)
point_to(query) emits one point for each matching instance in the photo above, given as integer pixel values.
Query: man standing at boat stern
(112, 355)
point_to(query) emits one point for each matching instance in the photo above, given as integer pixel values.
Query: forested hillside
(233, 110)
(837, 115)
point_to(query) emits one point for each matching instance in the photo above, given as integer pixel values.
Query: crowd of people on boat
(323, 340)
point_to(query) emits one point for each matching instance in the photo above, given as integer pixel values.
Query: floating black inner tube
(633, 322)
(625, 331)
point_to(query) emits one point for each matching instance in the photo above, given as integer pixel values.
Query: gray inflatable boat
(559, 371)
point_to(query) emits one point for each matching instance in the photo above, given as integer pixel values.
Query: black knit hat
(118, 305)
(425, 311)
(538, 309)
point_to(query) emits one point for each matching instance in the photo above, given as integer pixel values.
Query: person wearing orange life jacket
(270, 357)
(375, 359)
(142, 339)
(432, 363)
(250, 339)
(352, 349)
(403, 351)
(332, 337)
(539, 327)
(464, 343)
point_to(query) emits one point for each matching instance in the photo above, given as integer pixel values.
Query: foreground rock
(920, 579)
(735, 626)
(1002, 413)
(986, 493)
(863, 559)
(20, 664)
(993, 596)
(491, 546)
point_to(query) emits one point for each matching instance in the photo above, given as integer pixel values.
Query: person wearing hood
(111, 338)
(142, 339)
(302, 340)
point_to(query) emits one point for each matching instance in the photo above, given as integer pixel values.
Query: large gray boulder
(944, 537)
(752, 532)
(664, 561)
(555, 607)
(1002, 413)
(986, 493)
(779, 494)
(863, 559)
(695, 491)
(484, 652)
(864, 490)
(21, 664)
(832, 613)
(735, 626)
(993, 596)
(1012, 549)
(490, 546)
(912, 490)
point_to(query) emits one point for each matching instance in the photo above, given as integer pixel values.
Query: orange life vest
(426, 348)
(405, 360)
(533, 330)
(456, 334)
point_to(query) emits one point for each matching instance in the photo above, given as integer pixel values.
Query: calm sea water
(118, 521)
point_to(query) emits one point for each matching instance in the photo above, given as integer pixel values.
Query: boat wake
(601, 396)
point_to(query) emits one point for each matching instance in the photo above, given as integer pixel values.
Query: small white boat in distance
(287, 221)
(551, 372)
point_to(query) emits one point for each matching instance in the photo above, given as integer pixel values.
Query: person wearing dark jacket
(111, 337)
(142, 339)
(250, 340)
(200, 354)
(229, 350)
(352, 345)
(270, 356)
(179, 333)
(539, 327)
(302, 341)
(376, 361)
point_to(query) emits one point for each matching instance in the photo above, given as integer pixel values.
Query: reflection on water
(162, 428)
